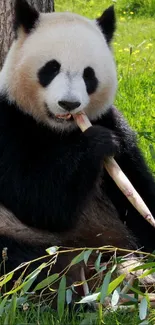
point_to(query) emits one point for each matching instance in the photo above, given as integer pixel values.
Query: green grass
(49, 317)
(136, 77)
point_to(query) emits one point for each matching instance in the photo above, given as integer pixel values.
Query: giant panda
(54, 189)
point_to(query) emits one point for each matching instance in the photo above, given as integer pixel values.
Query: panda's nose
(69, 106)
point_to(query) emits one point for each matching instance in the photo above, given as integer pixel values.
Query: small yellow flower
(115, 43)
(131, 12)
(126, 49)
(146, 47)
(149, 44)
(120, 50)
(137, 51)
(124, 12)
(122, 19)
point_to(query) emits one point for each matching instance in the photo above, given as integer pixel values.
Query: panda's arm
(132, 162)
(76, 173)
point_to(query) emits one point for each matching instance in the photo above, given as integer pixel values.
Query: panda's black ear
(25, 16)
(107, 23)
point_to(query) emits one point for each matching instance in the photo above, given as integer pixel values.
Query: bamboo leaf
(2, 305)
(103, 268)
(97, 262)
(115, 297)
(136, 290)
(61, 297)
(77, 259)
(86, 255)
(69, 294)
(144, 266)
(46, 282)
(143, 309)
(104, 289)
(128, 297)
(147, 273)
(6, 279)
(12, 309)
(52, 250)
(115, 283)
(33, 274)
(26, 285)
(90, 298)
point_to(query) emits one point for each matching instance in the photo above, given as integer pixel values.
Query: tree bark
(6, 22)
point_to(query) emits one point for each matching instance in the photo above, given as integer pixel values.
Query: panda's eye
(90, 80)
(48, 72)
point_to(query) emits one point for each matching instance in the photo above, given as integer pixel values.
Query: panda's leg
(25, 244)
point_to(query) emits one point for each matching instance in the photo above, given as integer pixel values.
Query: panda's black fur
(38, 164)
(57, 190)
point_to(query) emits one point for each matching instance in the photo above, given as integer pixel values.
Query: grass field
(49, 318)
(134, 50)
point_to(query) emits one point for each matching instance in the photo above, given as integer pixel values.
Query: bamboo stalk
(122, 300)
(85, 284)
(118, 176)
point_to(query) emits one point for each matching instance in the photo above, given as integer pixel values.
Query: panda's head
(60, 63)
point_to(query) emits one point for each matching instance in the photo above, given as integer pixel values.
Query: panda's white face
(62, 67)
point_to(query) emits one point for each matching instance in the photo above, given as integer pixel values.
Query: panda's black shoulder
(114, 120)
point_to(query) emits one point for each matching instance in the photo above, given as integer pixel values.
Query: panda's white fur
(76, 42)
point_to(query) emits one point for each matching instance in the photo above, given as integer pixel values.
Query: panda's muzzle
(58, 118)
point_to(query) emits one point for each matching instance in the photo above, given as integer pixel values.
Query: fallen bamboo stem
(107, 301)
(118, 176)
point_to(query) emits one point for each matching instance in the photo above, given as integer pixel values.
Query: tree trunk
(6, 20)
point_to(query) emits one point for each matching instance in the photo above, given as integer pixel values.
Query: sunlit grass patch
(134, 48)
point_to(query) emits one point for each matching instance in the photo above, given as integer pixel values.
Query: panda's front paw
(102, 141)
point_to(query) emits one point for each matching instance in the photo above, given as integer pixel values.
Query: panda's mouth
(64, 116)
(59, 118)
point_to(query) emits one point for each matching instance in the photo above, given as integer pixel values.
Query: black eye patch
(90, 80)
(48, 72)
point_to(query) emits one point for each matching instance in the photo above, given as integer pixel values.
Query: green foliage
(109, 294)
(138, 7)
(93, 8)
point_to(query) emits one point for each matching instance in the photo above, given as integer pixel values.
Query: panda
(54, 189)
